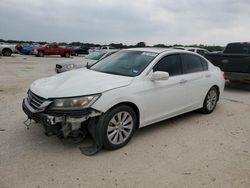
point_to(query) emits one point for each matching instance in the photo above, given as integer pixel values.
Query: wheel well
(134, 107)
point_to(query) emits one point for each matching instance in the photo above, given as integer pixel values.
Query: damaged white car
(130, 89)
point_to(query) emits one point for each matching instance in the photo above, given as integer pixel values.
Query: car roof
(154, 50)
(195, 48)
(112, 50)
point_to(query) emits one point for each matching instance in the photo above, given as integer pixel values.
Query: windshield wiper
(115, 73)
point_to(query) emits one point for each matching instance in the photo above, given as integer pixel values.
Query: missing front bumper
(61, 123)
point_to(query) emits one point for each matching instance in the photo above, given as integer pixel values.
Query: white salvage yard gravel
(192, 150)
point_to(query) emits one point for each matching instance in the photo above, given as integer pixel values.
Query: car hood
(78, 62)
(78, 83)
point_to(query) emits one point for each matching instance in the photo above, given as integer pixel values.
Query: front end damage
(66, 124)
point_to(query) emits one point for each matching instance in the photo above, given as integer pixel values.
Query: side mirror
(159, 75)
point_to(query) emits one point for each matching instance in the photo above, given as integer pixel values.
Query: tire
(7, 52)
(113, 133)
(210, 101)
(40, 54)
(66, 54)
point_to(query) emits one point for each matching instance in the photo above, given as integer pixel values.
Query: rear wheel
(7, 52)
(210, 101)
(117, 127)
(40, 54)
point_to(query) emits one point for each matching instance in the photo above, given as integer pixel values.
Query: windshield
(95, 55)
(126, 63)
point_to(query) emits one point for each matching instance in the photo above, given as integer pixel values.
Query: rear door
(197, 78)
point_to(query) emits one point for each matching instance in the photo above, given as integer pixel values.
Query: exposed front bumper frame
(67, 122)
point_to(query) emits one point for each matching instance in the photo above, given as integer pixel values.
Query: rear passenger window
(170, 64)
(204, 64)
(191, 63)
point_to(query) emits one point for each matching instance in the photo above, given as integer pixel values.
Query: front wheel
(117, 127)
(66, 54)
(210, 101)
(7, 52)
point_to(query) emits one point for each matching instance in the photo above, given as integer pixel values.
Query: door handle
(183, 81)
(208, 75)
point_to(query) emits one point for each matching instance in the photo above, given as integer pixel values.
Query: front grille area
(58, 66)
(34, 100)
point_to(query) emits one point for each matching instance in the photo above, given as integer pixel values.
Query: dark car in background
(83, 50)
(234, 61)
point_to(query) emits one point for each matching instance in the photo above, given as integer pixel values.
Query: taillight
(223, 74)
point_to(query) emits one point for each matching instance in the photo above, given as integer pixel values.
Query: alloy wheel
(120, 128)
(211, 100)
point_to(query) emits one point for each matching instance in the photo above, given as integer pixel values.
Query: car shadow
(167, 124)
(164, 125)
(237, 86)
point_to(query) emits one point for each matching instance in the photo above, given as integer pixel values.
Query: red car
(54, 49)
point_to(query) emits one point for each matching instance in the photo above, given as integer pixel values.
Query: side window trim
(205, 67)
(179, 57)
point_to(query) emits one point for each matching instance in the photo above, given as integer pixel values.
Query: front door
(164, 98)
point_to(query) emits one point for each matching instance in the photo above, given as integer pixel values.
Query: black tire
(66, 54)
(40, 54)
(105, 123)
(210, 101)
(7, 52)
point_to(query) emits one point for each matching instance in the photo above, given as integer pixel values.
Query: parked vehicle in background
(234, 61)
(7, 49)
(130, 89)
(200, 51)
(101, 48)
(27, 49)
(84, 50)
(89, 59)
(54, 49)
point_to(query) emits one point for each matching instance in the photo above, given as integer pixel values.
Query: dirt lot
(192, 150)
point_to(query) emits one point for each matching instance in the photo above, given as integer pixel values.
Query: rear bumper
(237, 76)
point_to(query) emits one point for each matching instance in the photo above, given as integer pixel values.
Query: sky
(210, 22)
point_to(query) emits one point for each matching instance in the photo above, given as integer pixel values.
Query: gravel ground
(192, 150)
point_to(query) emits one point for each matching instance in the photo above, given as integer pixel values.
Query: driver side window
(171, 64)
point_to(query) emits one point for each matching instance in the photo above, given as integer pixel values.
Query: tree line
(119, 45)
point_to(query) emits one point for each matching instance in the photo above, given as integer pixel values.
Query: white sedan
(89, 60)
(130, 89)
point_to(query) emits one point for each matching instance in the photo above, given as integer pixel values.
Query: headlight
(71, 66)
(75, 103)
